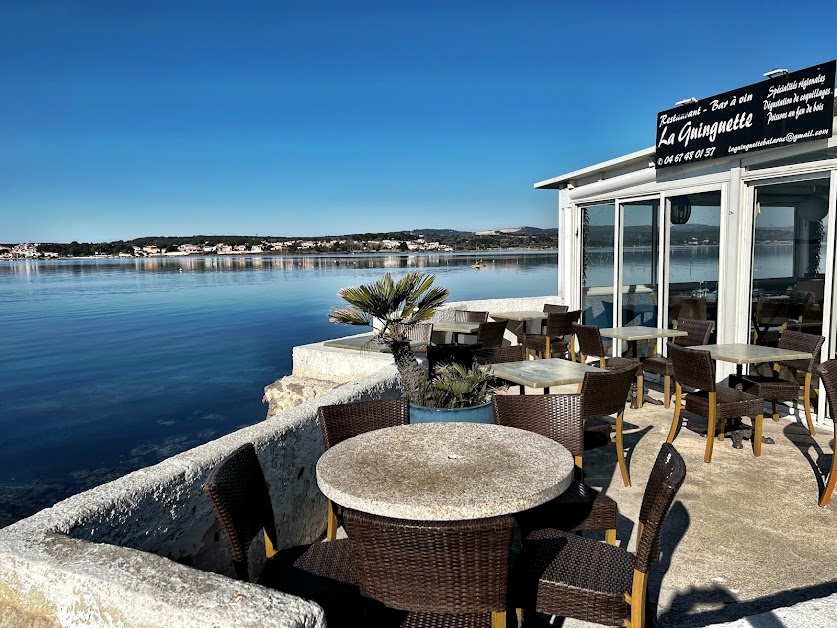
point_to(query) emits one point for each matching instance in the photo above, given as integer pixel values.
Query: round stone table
(445, 471)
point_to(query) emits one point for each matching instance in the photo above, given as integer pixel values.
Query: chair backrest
(665, 480)
(559, 324)
(238, 492)
(452, 354)
(828, 377)
(589, 340)
(470, 316)
(799, 341)
(420, 332)
(550, 307)
(339, 422)
(497, 355)
(699, 332)
(491, 334)
(606, 392)
(431, 566)
(555, 416)
(771, 311)
(692, 367)
(693, 309)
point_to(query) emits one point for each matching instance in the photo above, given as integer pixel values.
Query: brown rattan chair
(774, 389)
(689, 309)
(321, 572)
(470, 316)
(828, 376)
(604, 394)
(696, 369)
(551, 307)
(453, 353)
(699, 333)
(559, 417)
(498, 355)
(444, 573)
(420, 332)
(590, 345)
(490, 334)
(770, 317)
(554, 342)
(563, 574)
(339, 422)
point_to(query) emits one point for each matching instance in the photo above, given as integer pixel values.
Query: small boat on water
(479, 264)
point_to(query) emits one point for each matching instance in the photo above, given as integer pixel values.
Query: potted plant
(393, 307)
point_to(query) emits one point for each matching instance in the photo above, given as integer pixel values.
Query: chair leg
(331, 530)
(832, 477)
(572, 348)
(610, 536)
(640, 388)
(667, 391)
(498, 619)
(620, 451)
(721, 426)
(757, 428)
(528, 354)
(806, 399)
(675, 421)
(775, 410)
(638, 591)
(710, 429)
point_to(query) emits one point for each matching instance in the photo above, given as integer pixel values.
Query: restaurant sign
(797, 107)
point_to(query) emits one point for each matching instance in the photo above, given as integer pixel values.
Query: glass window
(597, 264)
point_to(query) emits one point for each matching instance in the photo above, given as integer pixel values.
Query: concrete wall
(146, 549)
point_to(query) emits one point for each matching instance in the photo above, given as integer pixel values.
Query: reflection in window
(694, 253)
(597, 264)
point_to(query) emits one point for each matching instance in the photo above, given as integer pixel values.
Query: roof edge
(557, 182)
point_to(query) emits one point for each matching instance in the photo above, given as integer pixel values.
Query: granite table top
(445, 471)
(742, 353)
(521, 315)
(362, 343)
(640, 333)
(543, 373)
(456, 327)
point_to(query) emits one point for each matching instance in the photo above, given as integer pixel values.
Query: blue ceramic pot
(483, 413)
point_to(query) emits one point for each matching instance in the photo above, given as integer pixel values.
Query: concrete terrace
(744, 539)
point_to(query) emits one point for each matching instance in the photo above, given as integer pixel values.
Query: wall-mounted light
(776, 73)
(813, 208)
(681, 210)
(687, 101)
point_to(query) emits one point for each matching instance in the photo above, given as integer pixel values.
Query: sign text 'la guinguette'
(797, 107)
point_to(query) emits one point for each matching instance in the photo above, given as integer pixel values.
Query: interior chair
(689, 309)
(699, 334)
(604, 394)
(339, 422)
(560, 573)
(696, 369)
(559, 417)
(828, 375)
(774, 389)
(470, 316)
(321, 572)
(420, 332)
(442, 573)
(553, 342)
(590, 345)
(453, 353)
(490, 334)
(770, 318)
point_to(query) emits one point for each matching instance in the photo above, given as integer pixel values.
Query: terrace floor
(745, 535)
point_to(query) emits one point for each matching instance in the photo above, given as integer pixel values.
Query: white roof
(555, 182)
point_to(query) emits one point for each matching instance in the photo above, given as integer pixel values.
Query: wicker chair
(603, 394)
(470, 316)
(696, 369)
(590, 345)
(689, 309)
(321, 572)
(559, 417)
(553, 342)
(774, 389)
(699, 333)
(444, 573)
(452, 353)
(420, 332)
(770, 317)
(563, 574)
(339, 422)
(828, 376)
(551, 307)
(498, 355)
(490, 334)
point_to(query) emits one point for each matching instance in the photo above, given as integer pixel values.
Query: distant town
(435, 240)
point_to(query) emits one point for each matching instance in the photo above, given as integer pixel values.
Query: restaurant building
(730, 216)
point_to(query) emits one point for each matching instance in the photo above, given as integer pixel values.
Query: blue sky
(127, 119)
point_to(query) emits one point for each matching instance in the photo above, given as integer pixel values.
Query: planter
(483, 413)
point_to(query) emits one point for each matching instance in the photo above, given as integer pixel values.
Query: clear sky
(127, 119)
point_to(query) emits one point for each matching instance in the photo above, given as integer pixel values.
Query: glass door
(639, 272)
(597, 268)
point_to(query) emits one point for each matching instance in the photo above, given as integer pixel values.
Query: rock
(292, 390)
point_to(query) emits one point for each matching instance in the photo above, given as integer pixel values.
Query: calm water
(112, 365)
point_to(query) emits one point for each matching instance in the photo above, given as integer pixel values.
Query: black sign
(770, 114)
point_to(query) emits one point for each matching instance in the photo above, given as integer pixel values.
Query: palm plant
(395, 306)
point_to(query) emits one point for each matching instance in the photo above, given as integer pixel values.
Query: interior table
(517, 320)
(740, 353)
(542, 373)
(456, 328)
(364, 343)
(445, 471)
(632, 335)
